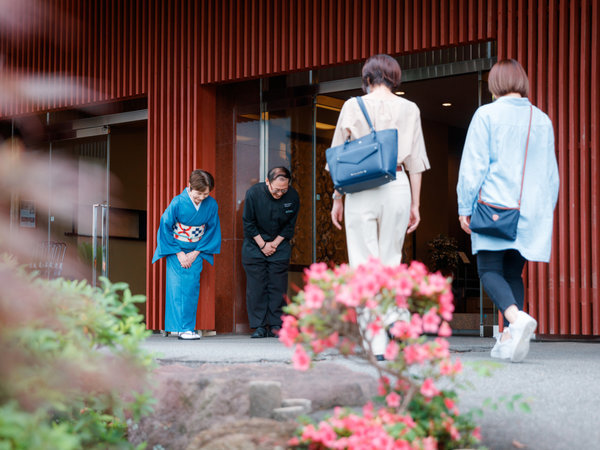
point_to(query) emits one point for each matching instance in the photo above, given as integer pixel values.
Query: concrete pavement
(561, 379)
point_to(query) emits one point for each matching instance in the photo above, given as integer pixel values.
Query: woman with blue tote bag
(377, 219)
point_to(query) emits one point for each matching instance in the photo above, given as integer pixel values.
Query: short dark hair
(381, 69)
(279, 172)
(200, 180)
(508, 76)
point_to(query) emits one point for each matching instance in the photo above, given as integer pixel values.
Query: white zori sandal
(189, 336)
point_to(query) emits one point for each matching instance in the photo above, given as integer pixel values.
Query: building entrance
(289, 120)
(103, 220)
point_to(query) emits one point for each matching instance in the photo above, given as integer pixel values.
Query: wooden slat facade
(174, 51)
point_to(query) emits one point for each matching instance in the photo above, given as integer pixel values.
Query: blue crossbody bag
(495, 220)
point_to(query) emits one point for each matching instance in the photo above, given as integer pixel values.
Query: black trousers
(266, 285)
(501, 273)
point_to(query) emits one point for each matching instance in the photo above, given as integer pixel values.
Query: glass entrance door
(288, 141)
(81, 220)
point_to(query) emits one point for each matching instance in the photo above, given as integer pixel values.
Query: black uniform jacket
(269, 217)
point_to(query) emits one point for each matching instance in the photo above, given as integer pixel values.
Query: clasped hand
(187, 259)
(269, 248)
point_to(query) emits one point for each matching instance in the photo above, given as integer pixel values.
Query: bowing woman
(189, 233)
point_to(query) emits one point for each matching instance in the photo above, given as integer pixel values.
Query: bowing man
(189, 233)
(270, 213)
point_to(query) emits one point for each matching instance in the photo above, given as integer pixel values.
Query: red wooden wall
(172, 51)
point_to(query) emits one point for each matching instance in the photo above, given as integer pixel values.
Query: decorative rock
(265, 396)
(288, 413)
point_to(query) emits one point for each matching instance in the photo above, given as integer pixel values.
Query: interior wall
(128, 166)
(434, 205)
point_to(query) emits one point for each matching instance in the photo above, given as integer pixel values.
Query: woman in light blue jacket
(492, 162)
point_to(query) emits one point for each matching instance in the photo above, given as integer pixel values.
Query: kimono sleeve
(210, 244)
(166, 244)
(474, 163)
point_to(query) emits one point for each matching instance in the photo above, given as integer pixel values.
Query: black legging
(501, 275)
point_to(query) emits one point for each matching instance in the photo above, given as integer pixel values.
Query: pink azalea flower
(446, 367)
(350, 316)
(477, 433)
(445, 330)
(438, 282)
(383, 385)
(417, 323)
(458, 367)
(316, 271)
(425, 289)
(405, 286)
(300, 358)
(429, 443)
(417, 270)
(393, 400)
(317, 345)
(313, 296)
(401, 301)
(332, 340)
(428, 388)
(391, 351)
(375, 326)
(446, 305)
(440, 348)
(431, 321)
(289, 331)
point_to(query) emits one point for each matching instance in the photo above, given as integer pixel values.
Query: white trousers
(376, 222)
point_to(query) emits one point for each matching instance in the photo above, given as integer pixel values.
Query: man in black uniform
(270, 213)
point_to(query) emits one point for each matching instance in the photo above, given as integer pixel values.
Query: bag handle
(363, 108)
(524, 162)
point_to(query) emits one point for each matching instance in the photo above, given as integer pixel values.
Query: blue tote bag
(366, 162)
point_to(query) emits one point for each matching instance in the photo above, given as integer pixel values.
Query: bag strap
(363, 108)
(525, 161)
(526, 148)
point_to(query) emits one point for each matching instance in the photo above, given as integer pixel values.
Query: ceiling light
(447, 104)
(324, 126)
(399, 92)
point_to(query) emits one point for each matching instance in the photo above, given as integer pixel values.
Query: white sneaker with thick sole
(521, 332)
(189, 336)
(501, 349)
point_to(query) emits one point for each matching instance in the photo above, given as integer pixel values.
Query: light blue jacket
(492, 160)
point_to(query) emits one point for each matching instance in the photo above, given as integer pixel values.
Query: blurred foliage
(73, 373)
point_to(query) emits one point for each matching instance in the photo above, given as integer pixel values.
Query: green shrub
(72, 370)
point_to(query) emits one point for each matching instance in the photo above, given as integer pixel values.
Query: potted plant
(443, 255)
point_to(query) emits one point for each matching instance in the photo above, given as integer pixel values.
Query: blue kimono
(186, 227)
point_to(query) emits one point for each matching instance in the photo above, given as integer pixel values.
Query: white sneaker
(501, 349)
(521, 332)
(189, 336)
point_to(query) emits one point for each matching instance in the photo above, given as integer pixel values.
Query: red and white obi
(187, 233)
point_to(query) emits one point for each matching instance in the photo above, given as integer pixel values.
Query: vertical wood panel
(170, 51)
(595, 163)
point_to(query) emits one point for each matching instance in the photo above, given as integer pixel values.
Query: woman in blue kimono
(492, 166)
(189, 233)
